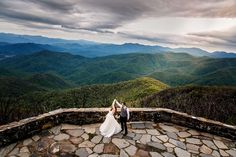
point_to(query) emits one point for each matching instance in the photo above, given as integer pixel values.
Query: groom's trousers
(123, 122)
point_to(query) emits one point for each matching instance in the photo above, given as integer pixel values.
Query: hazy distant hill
(171, 68)
(25, 48)
(26, 44)
(222, 54)
(17, 38)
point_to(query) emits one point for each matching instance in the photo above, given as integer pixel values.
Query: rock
(67, 147)
(55, 130)
(223, 153)
(24, 154)
(168, 128)
(4, 151)
(210, 144)
(36, 138)
(98, 148)
(204, 149)
(24, 150)
(93, 155)
(142, 153)
(97, 131)
(61, 137)
(109, 155)
(193, 148)
(89, 130)
(131, 135)
(193, 132)
(207, 135)
(85, 136)
(131, 150)
(76, 140)
(178, 143)
(69, 127)
(43, 144)
(106, 140)
(164, 138)
(75, 132)
(205, 155)
(181, 153)
(231, 152)
(54, 148)
(156, 145)
(51, 136)
(169, 145)
(145, 139)
(215, 153)
(82, 152)
(89, 150)
(131, 142)
(155, 154)
(155, 139)
(120, 143)
(137, 137)
(15, 151)
(152, 132)
(170, 150)
(96, 139)
(217, 137)
(27, 142)
(193, 141)
(172, 135)
(166, 154)
(148, 125)
(139, 131)
(123, 153)
(87, 144)
(184, 134)
(110, 149)
(220, 144)
(119, 135)
(138, 126)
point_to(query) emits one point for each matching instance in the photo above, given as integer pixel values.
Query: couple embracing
(110, 126)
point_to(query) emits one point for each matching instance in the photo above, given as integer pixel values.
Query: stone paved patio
(145, 139)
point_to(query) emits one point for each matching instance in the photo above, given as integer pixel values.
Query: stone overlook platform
(152, 133)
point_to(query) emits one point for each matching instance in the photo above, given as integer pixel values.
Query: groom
(124, 116)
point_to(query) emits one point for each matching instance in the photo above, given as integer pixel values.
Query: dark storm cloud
(108, 16)
(105, 15)
(63, 6)
(227, 37)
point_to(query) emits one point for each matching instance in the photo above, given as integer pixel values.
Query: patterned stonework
(145, 139)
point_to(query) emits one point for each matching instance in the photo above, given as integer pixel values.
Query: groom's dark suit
(123, 119)
(124, 116)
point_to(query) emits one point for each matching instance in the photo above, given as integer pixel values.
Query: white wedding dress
(110, 126)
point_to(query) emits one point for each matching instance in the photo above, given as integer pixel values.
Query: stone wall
(28, 127)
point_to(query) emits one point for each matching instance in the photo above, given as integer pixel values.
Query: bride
(110, 126)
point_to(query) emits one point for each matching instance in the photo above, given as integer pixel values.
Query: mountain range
(39, 74)
(174, 69)
(12, 44)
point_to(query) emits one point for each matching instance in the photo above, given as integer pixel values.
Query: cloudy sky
(208, 24)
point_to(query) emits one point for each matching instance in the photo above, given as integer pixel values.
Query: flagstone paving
(145, 139)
